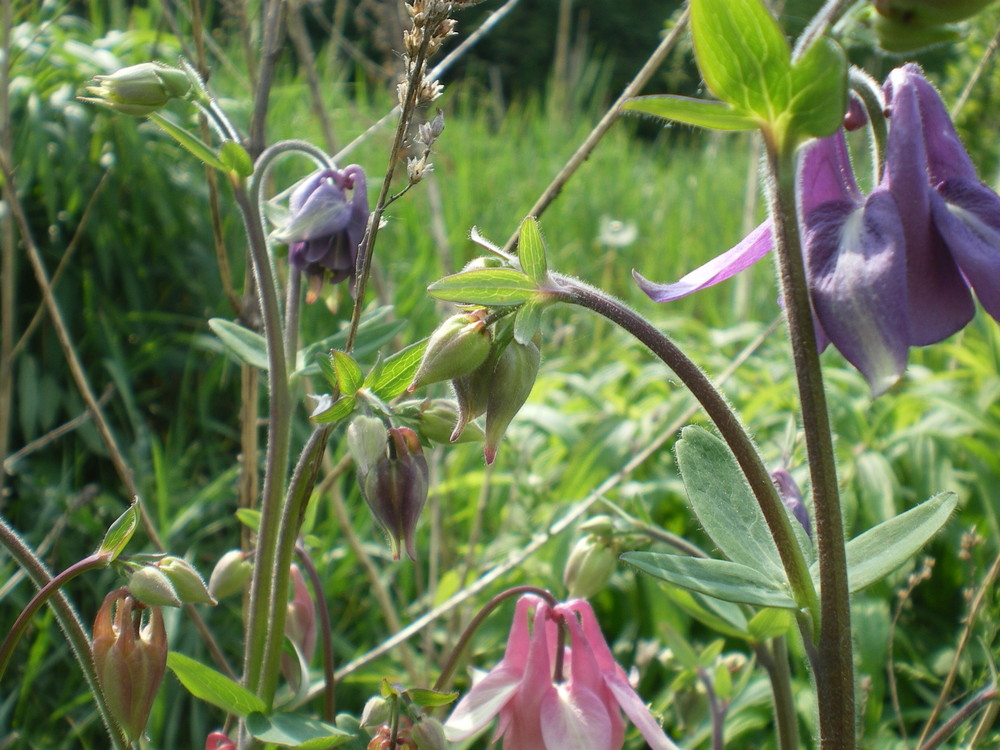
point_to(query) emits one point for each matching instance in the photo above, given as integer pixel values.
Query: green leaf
(295, 730)
(880, 550)
(527, 319)
(249, 346)
(120, 533)
(819, 90)
(349, 375)
(192, 143)
(770, 623)
(725, 618)
(236, 159)
(426, 698)
(485, 286)
(332, 412)
(682, 651)
(213, 687)
(326, 368)
(724, 503)
(742, 55)
(531, 250)
(700, 112)
(722, 579)
(249, 518)
(391, 378)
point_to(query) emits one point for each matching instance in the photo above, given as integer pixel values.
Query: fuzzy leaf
(819, 90)
(485, 286)
(192, 143)
(249, 346)
(388, 379)
(531, 250)
(349, 374)
(700, 112)
(120, 533)
(236, 159)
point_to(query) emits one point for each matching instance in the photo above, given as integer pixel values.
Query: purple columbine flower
(326, 226)
(892, 269)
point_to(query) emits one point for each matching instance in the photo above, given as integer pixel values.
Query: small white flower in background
(616, 233)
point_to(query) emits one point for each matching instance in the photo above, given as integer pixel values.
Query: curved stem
(325, 637)
(448, 670)
(835, 666)
(725, 419)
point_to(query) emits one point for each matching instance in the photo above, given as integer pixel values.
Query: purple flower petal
(825, 174)
(752, 248)
(857, 278)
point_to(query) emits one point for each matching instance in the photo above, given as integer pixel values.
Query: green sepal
(722, 579)
(485, 286)
(699, 112)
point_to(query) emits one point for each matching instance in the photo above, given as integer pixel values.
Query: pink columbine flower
(583, 711)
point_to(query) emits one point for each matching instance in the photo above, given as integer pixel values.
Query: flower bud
(512, 380)
(395, 488)
(366, 438)
(435, 420)
(188, 584)
(856, 116)
(152, 588)
(300, 627)
(129, 658)
(918, 13)
(472, 393)
(139, 90)
(456, 348)
(792, 495)
(428, 734)
(219, 741)
(376, 712)
(230, 574)
(589, 566)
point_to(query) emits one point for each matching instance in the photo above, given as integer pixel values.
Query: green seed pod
(188, 584)
(456, 348)
(510, 385)
(152, 588)
(230, 574)
(428, 734)
(436, 420)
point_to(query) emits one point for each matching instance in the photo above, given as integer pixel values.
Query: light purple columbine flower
(326, 226)
(583, 712)
(892, 269)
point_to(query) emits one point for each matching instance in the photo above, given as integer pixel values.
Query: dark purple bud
(856, 116)
(792, 496)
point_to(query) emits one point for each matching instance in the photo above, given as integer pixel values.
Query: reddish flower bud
(395, 488)
(219, 741)
(300, 627)
(130, 659)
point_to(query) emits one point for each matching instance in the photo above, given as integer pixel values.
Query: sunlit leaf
(485, 286)
(213, 687)
(699, 112)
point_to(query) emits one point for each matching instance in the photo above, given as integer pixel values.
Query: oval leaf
(213, 687)
(294, 730)
(349, 375)
(722, 579)
(120, 533)
(700, 112)
(527, 320)
(531, 250)
(819, 90)
(249, 346)
(485, 286)
(390, 378)
(880, 550)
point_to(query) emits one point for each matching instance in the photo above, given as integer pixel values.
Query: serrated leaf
(236, 159)
(819, 90)
(770, 623)
(213, 687)
(485, 286)
(880, 550)
(722, 579)
(743, 55)
(426, 698)
(349, 374)
(120, 533)
(391, 378)
(249, 346)
(531, 250)
(337, 410)
(699, 112)
(193, 144)
(724, 504)
(527, 319)
(295, 730)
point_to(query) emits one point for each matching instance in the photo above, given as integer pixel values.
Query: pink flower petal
(574, 717)
(482, 703)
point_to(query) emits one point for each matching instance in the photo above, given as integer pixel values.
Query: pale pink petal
(574, 717)
(521, 719)
(482, 703)
(751, 248)
(638, 713)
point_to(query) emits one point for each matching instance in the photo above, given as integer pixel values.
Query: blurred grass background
(123, 212)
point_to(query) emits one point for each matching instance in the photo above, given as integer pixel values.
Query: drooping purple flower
(892, 269)
(326, 226)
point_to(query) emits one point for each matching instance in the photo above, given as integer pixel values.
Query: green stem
(775, 661)
(325, 634)
(259, 629)
(70, 623)
(835, 666)
(725, 419)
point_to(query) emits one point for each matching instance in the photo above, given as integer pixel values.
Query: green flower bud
(153, 588)
(377, 711)
(188, 584)
(472, 393)
(589, 566)
(366, 438)
(428, 734)
(511, 382)
(918, 13)
(435, 420)
(139, 90)
(129, 658)
(230, 574)
(456, 348)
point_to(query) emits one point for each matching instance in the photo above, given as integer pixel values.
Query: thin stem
(775, 661)
(448, 670)
(91, 562)
(270, 49)
(605, 123)
(819, 24)
(725, 419)
(69, 621)
(716, 708)
(279, 422)
(835, 673)
(984, 697)
(325, 634)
